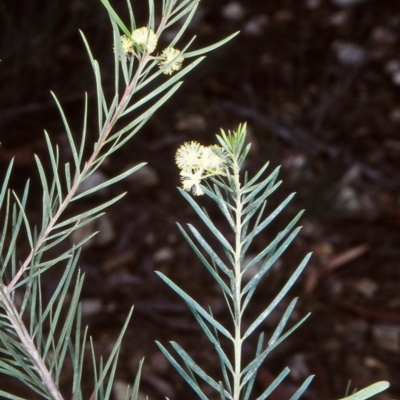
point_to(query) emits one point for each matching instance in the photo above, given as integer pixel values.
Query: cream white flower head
(127, 44)
(213, 159)
(198, 162)
(171, 59)
(145, 38)
(191, 181)
(188, 156)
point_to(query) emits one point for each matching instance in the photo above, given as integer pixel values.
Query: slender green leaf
(259, 202)
(161, 88)
(151, 14)
(68, 131)
(109, 182)
(4, 232)
(6, 179)
(210, 268)
(256, 279)
(119, 142)
(251, 369)
(39, 268)
(77, 355)
(271, 187)
(207, 221)
(114, 16)
(207, 49)
(131, 15)
(216, 259)
(195, 368)
(111, 375)
(302, 388)
(274, 384)
(278, 298)
(274, 243)
(10, 396)
(369, 391)
(135, 389)
(112, 359)
(250, 383)
(182, 372)
(104, 130)
(191, 9)
(213, 339)
(54, 160)
(84, 131)
(222, 204)
(68, 178)
(145, 115)
(248, 186)
(16, 220)
(60, 293)
(282, 323)
(195, 305)
(65, 335)
(51, 241)
(88, 213)
(269, 219)
(25, 219)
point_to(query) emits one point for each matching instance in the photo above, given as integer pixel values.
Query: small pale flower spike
(198, 162)
(213, 160)
(188, 156)
(127, 44)
(171, 59)
(191, 182)
(145, 38)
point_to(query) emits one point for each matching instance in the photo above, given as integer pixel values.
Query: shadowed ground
(318, 83)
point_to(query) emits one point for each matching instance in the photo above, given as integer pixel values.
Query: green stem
(28, 344)
(238, 282)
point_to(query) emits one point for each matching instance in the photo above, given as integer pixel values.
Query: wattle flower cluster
(171, 60)
(198, 162)
(145, 40)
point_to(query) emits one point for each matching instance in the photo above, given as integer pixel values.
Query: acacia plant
(217, 172)
(41, 338)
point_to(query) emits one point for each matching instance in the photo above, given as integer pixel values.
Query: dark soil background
(318, 82)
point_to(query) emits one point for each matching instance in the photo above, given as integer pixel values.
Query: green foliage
(368, 392)
(243, 204)
(35, 352)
